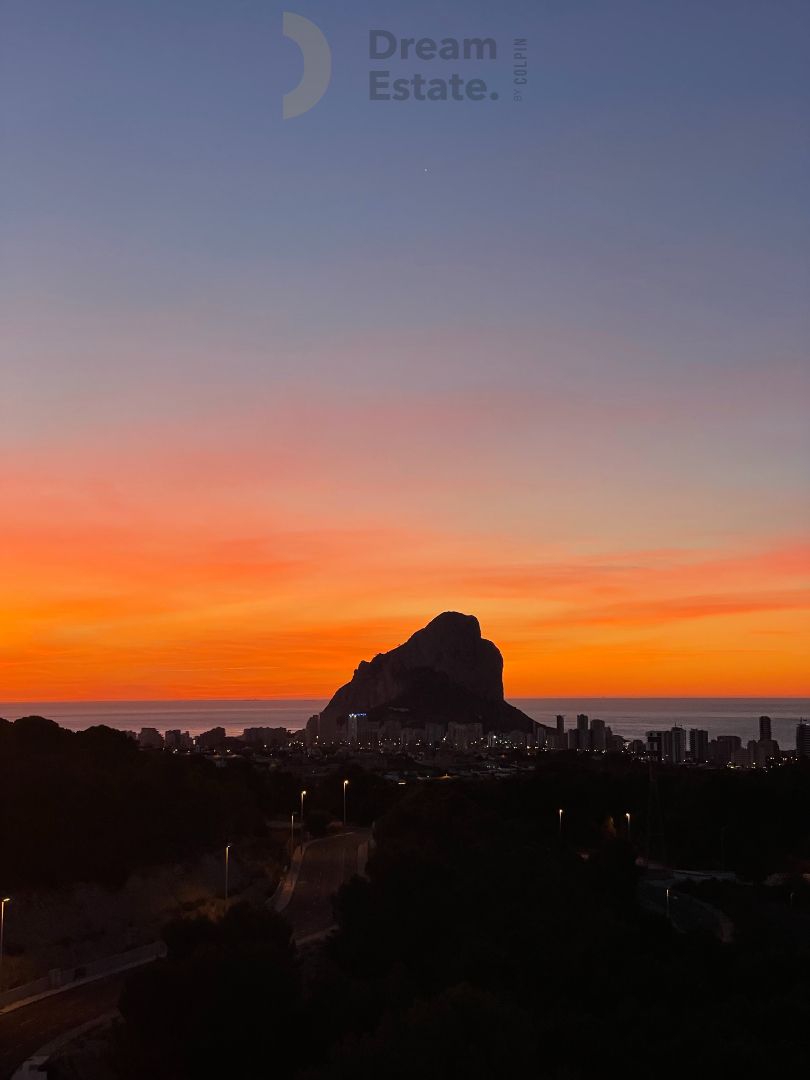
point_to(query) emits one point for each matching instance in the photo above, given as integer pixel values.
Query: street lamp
(627, 818)
(561, 815)
(227, 868)
(668, 904)
(345, 785)
(303, 794)
(292, 836)
(5, 900)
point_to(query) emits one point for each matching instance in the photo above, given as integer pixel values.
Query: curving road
(687, 914)
(23, 1031)
(325, 866)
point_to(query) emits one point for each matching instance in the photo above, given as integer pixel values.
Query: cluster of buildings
(589, 736)
(213, 741)
(391, 734)
(677, 748)
(360, 734)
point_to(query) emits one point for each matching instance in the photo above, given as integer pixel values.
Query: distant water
(193, 716)
(631, 717)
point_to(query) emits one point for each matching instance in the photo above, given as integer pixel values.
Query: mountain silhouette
(445, 672)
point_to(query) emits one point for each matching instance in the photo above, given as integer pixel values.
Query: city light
(345, 786)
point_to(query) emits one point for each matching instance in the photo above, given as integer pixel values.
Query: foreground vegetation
(89, 806)
(491, 937)
(481, 945)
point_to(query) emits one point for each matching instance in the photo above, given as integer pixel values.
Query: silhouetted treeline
(89, 806)
(482, 945)
(227, 994)
(482, 938)
(754, 822)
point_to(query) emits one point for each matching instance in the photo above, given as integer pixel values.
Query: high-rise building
(598, 736)
(150, 739)
(764, 752)
(391, 731)
(725, 749)
(678, 745)
(655, 745)
(560, 728)
(765, 728)
(698, 745)
(211, 740)
(264, 736)
(465, 736)
(583, 735)
(368, 732)
(434, 733)
(803, 739)
(667, 745)
(353, 722)
(543, 737)
(178, 740)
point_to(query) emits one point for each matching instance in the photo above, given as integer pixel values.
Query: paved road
(687, 914)
(23, 1031)
(326, 865)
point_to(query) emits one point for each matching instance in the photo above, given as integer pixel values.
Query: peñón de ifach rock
(445, 672)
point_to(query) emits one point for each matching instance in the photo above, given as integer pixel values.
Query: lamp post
(668, 919)
(227, 868)
(303, 796)
(345, 785)
(292, 836)
(561, 817)
(5, 900)
(627, 819)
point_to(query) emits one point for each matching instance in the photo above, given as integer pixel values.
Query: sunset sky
(273, 394)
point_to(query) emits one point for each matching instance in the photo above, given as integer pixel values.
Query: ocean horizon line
(568, 696)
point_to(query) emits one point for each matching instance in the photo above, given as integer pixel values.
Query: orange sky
(157, 572)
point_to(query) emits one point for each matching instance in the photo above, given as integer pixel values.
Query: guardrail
(59, 979)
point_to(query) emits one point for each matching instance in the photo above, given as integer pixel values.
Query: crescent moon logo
(317, 65)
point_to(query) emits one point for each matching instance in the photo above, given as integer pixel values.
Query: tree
(224, 991)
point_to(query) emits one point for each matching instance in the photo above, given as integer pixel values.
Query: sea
(631, 717)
